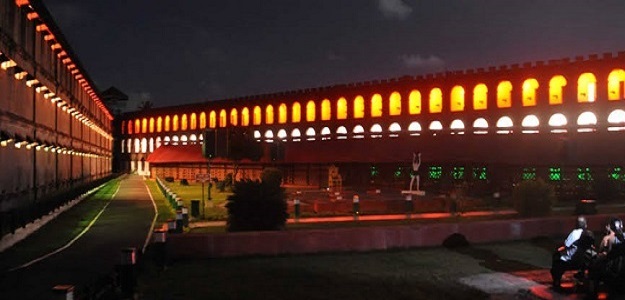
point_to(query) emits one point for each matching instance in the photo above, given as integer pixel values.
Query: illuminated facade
(55, 131)
(567, 113)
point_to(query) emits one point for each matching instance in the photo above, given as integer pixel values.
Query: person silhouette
(414, 175)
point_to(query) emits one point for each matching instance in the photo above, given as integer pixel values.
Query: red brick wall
(367, 238)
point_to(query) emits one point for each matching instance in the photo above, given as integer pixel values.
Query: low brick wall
(191, 245)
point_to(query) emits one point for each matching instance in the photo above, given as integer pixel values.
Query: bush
(533, 198)
(272, 176)
(184, 181)
(257, 205)
(169, 179)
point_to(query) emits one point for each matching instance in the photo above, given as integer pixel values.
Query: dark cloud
(196, 50)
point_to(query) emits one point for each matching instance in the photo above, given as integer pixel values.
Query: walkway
(92, 258)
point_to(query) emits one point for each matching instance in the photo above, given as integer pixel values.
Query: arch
(394, 127)
(587, 119)
(159, 124)
(269, 114)
(245, 117)
(457, 99)
(376, 128)
(151, 125)
(556, 85)
(256, 116)
(137, 146)
(456, 124)
(310, 111)
(326, 110)
(296, 112)
(234, 117)
(529, 92)
(137, 126)
(202, 120)
(341, 109)
(504, 122)
(222, 118)
(129, 145)
(212, 119)
(183, 139)
(174, 140)
(310, 134)
(616, 81)
(157, 142)
(282, 114)
(617, 116)
(557, 120)
(167, 123)
(586, 88)
(376, 105)
(184, 123)
(480, 123)
(130, 127)
(436, 125)
(174, 123)
(123, 130)
(268, 135)
(436, 100)
(394, 104)
(282, 135)
(414, 127)
(616, 120)
(325, 133)
(530, 121)
(359, 107)
(504, 94)
(480, 97)
(414, 102)
(166, 140)
(257, 135)
(295, 133)
(341, 132)
(193, 138)
(358, 131)
(144, 145)
(193, 122)
(376, 131)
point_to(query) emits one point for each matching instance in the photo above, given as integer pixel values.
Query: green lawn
(59, 231)
(214, 209)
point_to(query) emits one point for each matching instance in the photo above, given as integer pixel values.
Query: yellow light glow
(8, 64)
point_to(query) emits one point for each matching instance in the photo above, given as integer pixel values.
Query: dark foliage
(257, 205)
(533, 198)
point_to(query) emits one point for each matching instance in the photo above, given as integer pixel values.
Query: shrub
(184, 181)
(257, 205)
(533, 198)
(169, 179)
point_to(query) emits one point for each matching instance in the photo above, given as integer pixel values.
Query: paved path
(126, 222)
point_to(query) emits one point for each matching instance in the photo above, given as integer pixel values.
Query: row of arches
(376, 106)
(556, 123)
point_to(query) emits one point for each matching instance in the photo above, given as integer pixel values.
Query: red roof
(177, 154)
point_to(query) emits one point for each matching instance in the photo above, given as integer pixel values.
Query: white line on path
(70, 242)
(147, 239)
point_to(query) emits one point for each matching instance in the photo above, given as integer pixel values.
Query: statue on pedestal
(414, 174)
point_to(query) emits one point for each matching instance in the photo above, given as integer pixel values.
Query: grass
(59, 231)
(165, 211)
(431, 273)
(214, 209)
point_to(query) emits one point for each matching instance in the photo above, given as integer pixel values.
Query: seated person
(570, 256)
(611, 247)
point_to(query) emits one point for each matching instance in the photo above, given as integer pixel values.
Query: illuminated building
(556, 119)
(55, 131)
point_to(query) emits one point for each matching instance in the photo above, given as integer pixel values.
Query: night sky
(183, 51)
